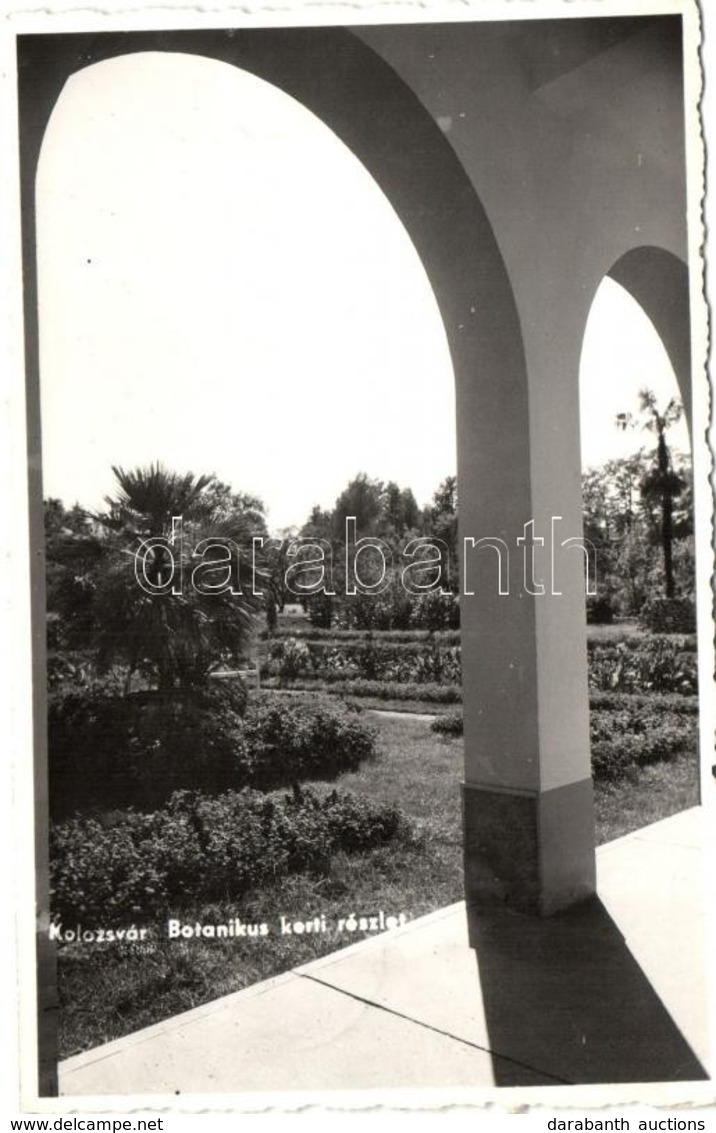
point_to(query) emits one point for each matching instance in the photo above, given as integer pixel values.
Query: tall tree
(362, 498)
(72, 551)
(660, 483)
(440, 521)
(175, 634)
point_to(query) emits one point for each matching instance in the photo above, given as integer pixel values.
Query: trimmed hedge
(623, 741)
(451, 724)
(657, 664)
(292, 739)
(644, 664)
(393, 609)
(684, 643)
(669, 615)
(600, 611)
(392, 690)
(625, 662)
(141, 867)
(109, 750)
(626, 731)
(381, 690)
(314, 633)
(654, 702)
(427, 662)
(117, 751)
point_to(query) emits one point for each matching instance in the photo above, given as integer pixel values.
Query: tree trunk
(666, 512)
(666, 538)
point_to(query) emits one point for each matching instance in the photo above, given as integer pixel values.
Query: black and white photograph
(369, 551)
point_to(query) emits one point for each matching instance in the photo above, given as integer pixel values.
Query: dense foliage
(424, 662)
(123, 584)
(306, 631)
(140, 867)
(394, 609)
(449, 724)
(628, 737)
(290, 739)
(627, 731)
(626, 662)
(384, 690)
(645, 664)
(111, 750)
(638, 513)
(669, 615)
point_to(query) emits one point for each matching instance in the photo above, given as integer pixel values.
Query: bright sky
(223, 287)
(621, 354)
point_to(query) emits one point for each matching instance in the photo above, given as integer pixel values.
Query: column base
(47, 1013)
(532, 852)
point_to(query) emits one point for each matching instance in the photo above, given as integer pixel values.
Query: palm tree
(176, 637)
(661, 484)
(149, 497)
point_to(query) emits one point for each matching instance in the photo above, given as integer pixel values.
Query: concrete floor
(614, 991)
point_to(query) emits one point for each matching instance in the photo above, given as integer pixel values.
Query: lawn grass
(655, 792)
(608, 631)
(369, 703)
(110, 990)
(422, 707)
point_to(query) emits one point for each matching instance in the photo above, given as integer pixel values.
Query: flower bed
(115, 751)
(139, 867)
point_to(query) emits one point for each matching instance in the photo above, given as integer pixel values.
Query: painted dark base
(529, 852)
(47, 1012)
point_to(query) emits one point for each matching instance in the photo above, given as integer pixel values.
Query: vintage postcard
(368, 752)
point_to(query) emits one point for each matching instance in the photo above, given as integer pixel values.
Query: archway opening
(638, 514)
(224, 288)
(223, 285)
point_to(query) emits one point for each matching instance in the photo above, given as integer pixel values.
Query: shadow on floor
(565, 998)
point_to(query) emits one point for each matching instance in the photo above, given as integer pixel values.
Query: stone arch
(659, 282)
(359, 96)
(586, 177)
(402, 148)
(374, 111)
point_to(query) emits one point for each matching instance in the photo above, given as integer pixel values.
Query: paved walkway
(611, 992)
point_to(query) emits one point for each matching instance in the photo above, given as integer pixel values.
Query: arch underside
(514, 338)
(354, 92)
(659, 282)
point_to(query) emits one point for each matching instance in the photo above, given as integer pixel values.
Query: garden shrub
(391, 609)
(629, 731)
(685, 642)
(394, 690)
(652, 663)
(634, 664)
(625, 662)
(669, 615)
(384, 637)
(451, 724)
(396, 609)
(600, 610)
(141, 867)
(654, 702)
(291, 739)
(290, 657)
(436, 610)
(347, 688)
(370, 658)
(320, 610)
(109, 751)
(625, 728)
(622, 742)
